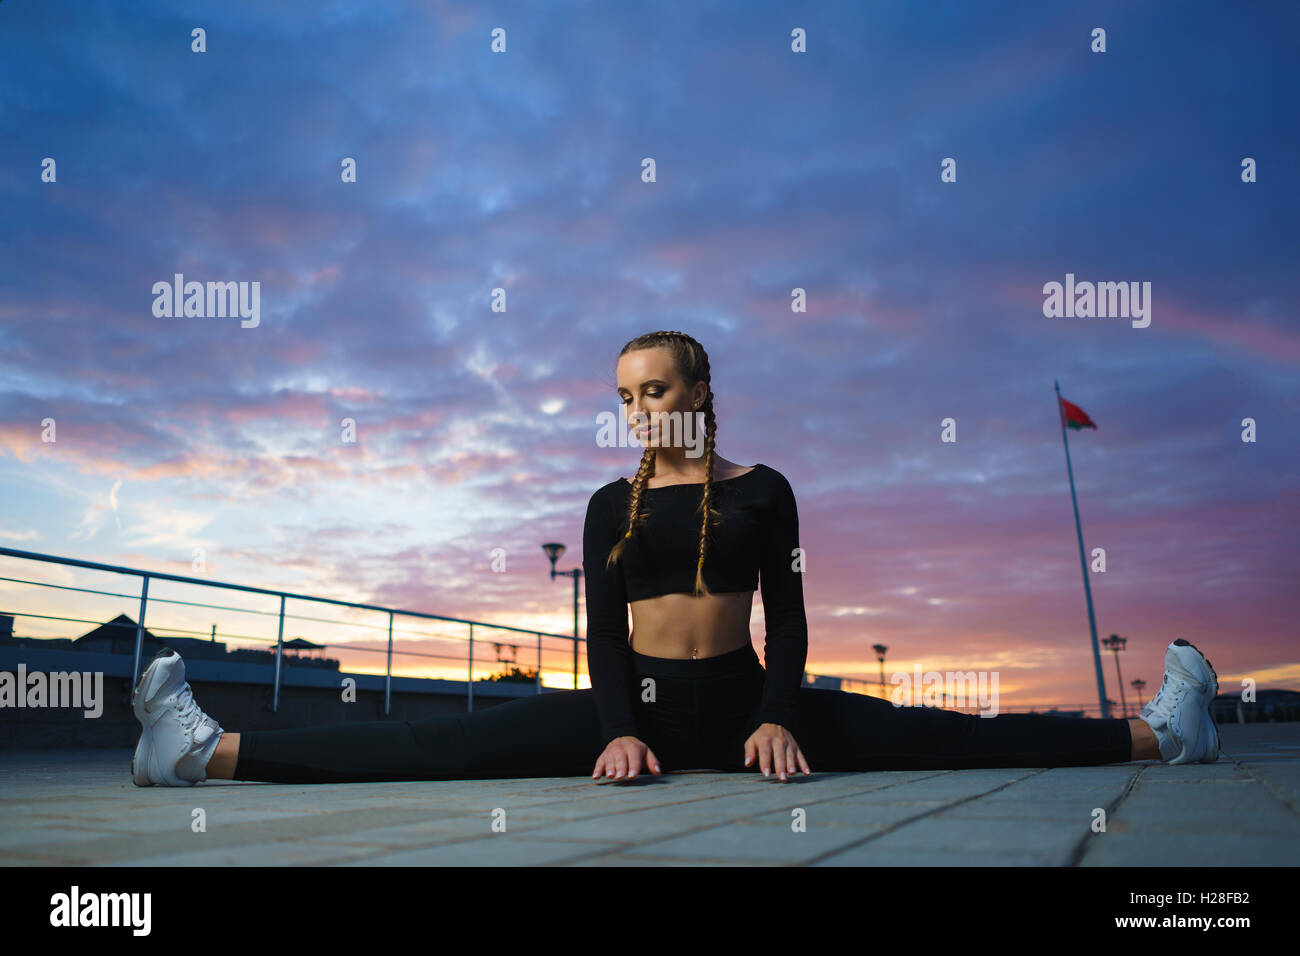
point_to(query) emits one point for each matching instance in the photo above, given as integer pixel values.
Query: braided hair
(692, 364)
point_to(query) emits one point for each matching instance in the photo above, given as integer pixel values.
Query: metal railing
(147, 576)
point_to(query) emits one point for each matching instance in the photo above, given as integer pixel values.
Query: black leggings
(702, 713)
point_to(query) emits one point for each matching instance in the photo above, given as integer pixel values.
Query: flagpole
(1087, 588)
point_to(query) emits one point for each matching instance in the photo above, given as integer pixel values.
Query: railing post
(279, 645)
(388, 677)
(469, 684)
(539, 662)
(576, 572)
(139, 631)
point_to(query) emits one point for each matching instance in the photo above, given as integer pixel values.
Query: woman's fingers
(785, 764)
(624, 759)
(803, 761)
(781, 756)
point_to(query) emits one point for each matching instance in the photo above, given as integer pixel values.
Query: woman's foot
(1179, 714)
(177, 738)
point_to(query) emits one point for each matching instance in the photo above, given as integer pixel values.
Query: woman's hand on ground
(623, 758)
(775, 748)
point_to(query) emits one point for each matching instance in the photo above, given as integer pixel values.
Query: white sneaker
(178, 738)
(1179, 714)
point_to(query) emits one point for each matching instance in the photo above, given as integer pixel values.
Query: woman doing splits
(685, 545)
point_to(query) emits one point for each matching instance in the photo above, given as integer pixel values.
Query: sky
(920, 171)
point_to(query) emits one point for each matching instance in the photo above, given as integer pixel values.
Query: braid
(692, 364)
(709, 513)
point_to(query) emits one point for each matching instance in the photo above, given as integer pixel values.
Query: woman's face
(648, 383)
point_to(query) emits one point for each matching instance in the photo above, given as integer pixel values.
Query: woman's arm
(609, 656)
(781, 578)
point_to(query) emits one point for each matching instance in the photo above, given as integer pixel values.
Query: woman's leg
(555, 734)
(845, 731)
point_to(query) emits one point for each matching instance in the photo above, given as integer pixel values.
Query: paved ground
(59, 808)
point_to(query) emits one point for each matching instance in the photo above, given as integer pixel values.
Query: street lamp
(1137, 684)
(1116, 644)
(553, 551)
(880, 653)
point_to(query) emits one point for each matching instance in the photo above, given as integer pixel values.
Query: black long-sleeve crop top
(758, 534)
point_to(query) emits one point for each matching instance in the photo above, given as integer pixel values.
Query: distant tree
(513, 674)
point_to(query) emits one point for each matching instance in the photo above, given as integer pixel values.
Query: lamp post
(1115, 643)
(1138, 683)
(880, 654)
(553, 551)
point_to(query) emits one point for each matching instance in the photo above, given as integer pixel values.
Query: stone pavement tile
(953, 781)
(1153, 848)
(1041, 802)
(279, 853)
(1282, 778)
(1222, 771)
(827, 784)
(102, 848)
(752, 843)
(927, 792)
(1248, 808)
(620, 858)
(636, 826)
(31, 837)
(500, 849)
(1061, 790)
(179, 838)
(1055, 840)
(1016, 796)
(1059, 811)
(1094, 776)
(146, 820)
(871, 855)
(869, 802)
(1057, 791)
(863, 819)
(581, 810)
(371, 795)
(761, 799)
(414, 835)
(837, 783)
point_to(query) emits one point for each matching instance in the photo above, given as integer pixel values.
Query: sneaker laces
(188, 712)
(1171, 691)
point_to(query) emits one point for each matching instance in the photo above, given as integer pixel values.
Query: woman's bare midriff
(685, 626)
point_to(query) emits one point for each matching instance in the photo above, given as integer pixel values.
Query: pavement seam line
(920, 816)
(1081, 848)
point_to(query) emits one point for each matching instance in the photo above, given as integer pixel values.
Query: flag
(1072, 416)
